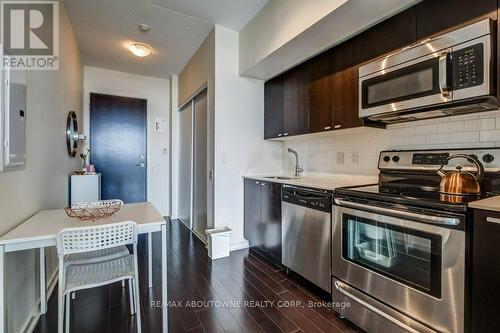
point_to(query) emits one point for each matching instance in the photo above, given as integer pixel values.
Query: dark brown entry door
(118, 146)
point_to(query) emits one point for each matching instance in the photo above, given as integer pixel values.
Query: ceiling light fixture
(140, 49)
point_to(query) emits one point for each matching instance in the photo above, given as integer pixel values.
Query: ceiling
(232, 14)
(103, 30)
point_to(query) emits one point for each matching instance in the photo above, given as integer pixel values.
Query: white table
(40, 232)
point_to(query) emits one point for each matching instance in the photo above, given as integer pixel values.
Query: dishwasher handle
(309, 199)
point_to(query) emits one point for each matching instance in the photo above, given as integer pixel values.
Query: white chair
(86, 272)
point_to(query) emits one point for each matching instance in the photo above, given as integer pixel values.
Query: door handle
(443, 220)
(444, 86)
(142, 165)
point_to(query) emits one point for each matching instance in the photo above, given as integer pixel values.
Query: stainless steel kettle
(459, 182)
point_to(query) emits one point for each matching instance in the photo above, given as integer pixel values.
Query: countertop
(324, 182)
(492, 204)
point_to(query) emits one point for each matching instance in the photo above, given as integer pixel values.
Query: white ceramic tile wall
(319, 155)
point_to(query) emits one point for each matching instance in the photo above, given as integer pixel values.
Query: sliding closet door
(200, 175)
(185, 164)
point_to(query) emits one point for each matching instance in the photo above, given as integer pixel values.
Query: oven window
(419, 80)
(406, 255)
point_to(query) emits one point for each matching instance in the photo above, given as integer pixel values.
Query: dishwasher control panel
(317, 200)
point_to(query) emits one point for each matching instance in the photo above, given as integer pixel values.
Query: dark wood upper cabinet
(295, 101)
(319, 93)
(347, 58)
(438, 16)
(273, 104)
(390, 35)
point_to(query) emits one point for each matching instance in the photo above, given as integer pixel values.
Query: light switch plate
(354, 157)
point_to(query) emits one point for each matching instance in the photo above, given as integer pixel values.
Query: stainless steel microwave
(446, 75)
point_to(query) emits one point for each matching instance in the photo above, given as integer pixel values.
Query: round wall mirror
(72, 134)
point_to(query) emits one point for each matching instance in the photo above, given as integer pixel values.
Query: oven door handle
(374, 309)
(442, 220)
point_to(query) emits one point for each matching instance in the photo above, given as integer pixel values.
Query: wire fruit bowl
(91, 211)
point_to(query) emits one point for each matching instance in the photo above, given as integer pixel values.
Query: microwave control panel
(468, 66)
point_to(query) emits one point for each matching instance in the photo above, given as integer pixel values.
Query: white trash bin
(218, 242)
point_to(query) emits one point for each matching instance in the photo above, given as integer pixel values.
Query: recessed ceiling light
(140, 49)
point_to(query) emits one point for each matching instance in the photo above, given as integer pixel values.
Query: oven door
(414, 267)
(418, 83)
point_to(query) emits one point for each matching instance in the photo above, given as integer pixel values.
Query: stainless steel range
(399, 247)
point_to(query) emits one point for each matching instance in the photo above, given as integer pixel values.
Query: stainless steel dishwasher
(306, 234)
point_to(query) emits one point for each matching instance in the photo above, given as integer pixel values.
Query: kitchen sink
(282, 178)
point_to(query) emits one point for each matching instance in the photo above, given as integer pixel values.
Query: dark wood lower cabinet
(263, 217)
(485, 273)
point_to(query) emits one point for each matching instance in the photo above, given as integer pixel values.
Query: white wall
(43, 184)
(156, 92)
(319, 154)
(239, 132)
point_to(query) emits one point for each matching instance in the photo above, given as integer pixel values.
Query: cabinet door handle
(280, 135)
(492, 220)
(328, 128)
(285, 134)
(337, 126)
(257, 183)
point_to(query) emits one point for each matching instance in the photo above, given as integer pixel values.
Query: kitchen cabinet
(319, 93)
(390, 35)
(437, 16)
(252, 212)
(485, 272)
(295, 97)
(273, 117)
(345, 83)
(262, 214)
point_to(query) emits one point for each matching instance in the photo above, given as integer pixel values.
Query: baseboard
(239, 246)
(30, 324)
(204, 241)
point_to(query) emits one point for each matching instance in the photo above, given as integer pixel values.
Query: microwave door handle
(444, 85)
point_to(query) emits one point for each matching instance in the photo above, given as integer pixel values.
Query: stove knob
(395, 158)
(488, 158)
(387, 159)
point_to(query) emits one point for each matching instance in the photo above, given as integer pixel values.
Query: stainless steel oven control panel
(433, 159)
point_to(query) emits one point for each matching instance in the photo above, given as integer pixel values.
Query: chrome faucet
(298, 169)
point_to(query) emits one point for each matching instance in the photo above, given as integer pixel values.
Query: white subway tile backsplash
(426, 129)
(493, 135)
(438, 138)
(415, 140)
(481, 124)
(450, 127)
(464, 131)
(405, 131)
(462, 137)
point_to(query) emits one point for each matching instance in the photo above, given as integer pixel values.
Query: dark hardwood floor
(242, 293)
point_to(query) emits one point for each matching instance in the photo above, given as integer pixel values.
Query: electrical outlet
(354, 157)
(340, 158)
